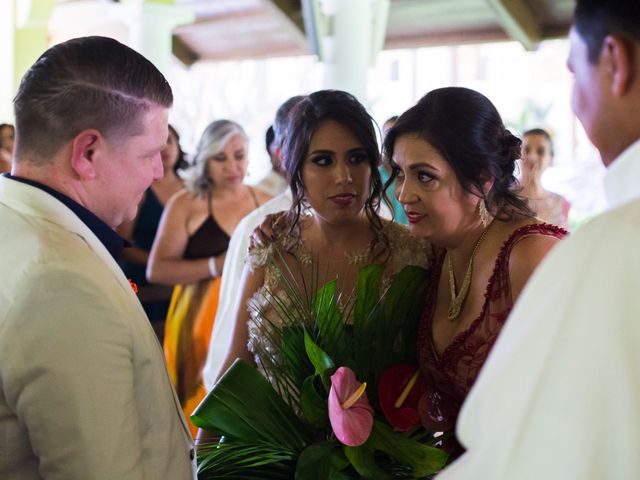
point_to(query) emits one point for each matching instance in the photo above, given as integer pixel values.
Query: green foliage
(285, 432)
(423, 459)
(321, 461)
(320, 360)
(240, 461)
(312, 405)
(244, 406)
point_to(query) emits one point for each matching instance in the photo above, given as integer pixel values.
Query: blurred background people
(142, 231)
(7, 135)
(239, 249)
(275, 182)
(190, 247)
(537, 155)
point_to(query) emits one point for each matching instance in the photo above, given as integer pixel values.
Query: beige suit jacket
(84, 393)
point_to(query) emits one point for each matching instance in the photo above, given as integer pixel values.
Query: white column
(7, 49)
(150, 27)
(354, 33)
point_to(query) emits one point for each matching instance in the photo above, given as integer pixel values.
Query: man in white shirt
(274, 182)
(237, 254)
(559, 397)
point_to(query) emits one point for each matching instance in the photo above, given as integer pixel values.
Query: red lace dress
(450, 376)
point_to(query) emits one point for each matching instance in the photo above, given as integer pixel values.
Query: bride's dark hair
(302, 122)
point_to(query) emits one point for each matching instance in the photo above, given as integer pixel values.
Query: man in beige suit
(84, 393)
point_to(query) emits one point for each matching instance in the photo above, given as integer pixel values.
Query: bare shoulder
(529, 250)
(180, 200)
(262, 196)
(184, 204)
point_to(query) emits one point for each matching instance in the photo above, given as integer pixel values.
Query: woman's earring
(485, 218)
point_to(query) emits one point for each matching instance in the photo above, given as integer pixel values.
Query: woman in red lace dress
(454, 163)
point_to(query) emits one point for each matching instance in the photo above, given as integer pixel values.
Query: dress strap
(254, 196)
(209, 202)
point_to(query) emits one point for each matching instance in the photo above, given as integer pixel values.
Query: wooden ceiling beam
(182, 51)
(518, 22)
(292, 10)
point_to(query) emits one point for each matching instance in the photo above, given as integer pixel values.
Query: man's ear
(85, 148)
(618, 55)
(278, 151)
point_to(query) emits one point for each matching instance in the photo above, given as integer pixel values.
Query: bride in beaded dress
(454, 162)
(332, 229)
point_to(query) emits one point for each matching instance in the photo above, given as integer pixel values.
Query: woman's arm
(135, 255)
(166, 265)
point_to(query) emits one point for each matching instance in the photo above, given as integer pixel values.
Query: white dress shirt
(559, 396)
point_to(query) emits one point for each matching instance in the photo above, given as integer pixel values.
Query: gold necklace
(457, 300)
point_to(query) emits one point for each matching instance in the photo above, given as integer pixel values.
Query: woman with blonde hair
(190, 247)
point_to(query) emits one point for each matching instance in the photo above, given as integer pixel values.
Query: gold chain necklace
(457, 300)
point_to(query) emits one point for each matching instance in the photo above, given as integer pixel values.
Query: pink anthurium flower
(350, 413)
(399, 392)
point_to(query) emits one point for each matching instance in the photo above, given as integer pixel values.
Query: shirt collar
(113, 242)
(622, 182)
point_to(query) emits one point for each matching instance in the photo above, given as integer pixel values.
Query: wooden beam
(182, 51)
(518, 22)
(292, 10)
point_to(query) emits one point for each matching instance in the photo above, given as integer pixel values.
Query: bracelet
(213, 270)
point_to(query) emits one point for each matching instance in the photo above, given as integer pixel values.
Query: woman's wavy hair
(213, 140)
(303, 120)
(467, 130)
(181, 163)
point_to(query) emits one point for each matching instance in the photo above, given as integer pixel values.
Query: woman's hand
(264, 234)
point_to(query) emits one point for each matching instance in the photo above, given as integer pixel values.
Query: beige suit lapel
(32, 201)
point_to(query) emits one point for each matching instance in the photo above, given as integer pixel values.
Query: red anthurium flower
(350, 413)
(134, 287)
(399, 392)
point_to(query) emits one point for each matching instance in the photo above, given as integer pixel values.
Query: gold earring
(485, 217)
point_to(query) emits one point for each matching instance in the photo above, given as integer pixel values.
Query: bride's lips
(414, 217)
(343, 199)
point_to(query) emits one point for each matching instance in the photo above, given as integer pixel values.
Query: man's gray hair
(213, 140)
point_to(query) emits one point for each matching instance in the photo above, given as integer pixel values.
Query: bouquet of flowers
(345, 400)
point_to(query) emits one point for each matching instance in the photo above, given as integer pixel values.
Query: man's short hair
(280, 122)
(595, 19)
(269, 137)
(88, 82)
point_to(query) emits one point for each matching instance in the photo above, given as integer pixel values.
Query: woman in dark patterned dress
(454, 162)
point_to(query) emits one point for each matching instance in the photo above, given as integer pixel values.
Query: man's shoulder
(607, 242)
(253, 219)
(31, 237)
(620, 224)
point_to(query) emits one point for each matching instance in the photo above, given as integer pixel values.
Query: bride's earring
(485, 218)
